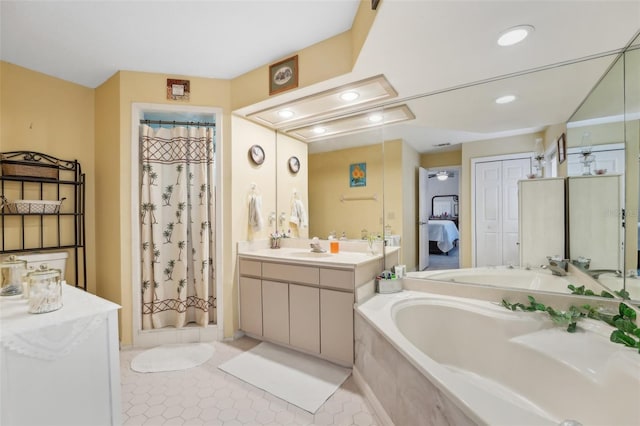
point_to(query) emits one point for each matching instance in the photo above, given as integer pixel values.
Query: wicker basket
(33, 206)
(10, 168)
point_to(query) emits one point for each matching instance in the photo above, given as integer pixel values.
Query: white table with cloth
(444, 232)
(60, 367)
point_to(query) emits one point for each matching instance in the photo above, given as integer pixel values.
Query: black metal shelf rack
(41, 177)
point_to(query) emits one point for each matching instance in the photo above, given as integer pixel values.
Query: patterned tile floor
(205, 395)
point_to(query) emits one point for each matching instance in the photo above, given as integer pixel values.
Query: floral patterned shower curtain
(177, 224)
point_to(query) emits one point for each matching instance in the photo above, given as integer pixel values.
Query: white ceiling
(87, 41)
(444, 50)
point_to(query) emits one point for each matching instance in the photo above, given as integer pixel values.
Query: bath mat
(300, 379)
(172, 357)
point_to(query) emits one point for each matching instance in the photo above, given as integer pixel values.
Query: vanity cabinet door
(251, 305)
(336, 325)
(304, 317)
(275, 311)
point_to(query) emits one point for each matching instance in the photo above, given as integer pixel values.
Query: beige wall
(107, 163)
(45, 114)
(329, 180)
(410, 165)
(441, 159)
(401, 164)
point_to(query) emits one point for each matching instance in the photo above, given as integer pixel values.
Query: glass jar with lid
(12, 271)
(45, 290)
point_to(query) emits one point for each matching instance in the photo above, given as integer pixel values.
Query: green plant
(623, 294)
(626, 333)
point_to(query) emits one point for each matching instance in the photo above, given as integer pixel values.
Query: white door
(512, 172)
(496, 227)
(488, 213)
(423, 220)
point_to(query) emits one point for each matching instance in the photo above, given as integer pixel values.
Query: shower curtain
(177, 224)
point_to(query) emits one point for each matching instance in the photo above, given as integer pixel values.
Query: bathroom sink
(310, 254)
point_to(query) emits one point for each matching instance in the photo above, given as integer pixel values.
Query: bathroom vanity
(305, 300)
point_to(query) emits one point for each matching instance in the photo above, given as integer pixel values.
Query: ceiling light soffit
(352, 124)
(327, 103)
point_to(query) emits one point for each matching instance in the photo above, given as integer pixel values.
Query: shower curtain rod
(179, 123)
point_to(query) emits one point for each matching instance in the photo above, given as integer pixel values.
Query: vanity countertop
(298, 255)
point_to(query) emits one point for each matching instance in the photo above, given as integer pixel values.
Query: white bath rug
(300, 379)
(172, 357)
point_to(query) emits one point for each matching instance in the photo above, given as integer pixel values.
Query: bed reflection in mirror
(443, 224)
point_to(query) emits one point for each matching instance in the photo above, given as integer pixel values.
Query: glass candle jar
(45, 290)
(12, 272)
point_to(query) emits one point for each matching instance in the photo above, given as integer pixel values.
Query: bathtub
(528, 279)
(485, 364)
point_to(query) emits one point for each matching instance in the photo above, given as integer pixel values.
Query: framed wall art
(562, 148)
(178, 90)
(358, 174)
(283, 75)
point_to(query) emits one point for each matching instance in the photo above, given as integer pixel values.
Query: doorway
(438, 232)
(209, 329)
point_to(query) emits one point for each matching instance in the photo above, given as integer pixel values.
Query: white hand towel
(255, 217)
(298, 214)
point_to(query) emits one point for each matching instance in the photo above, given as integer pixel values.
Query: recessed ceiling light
(349, 96)
(514, 35)
(285, 113)
(505, 99)
(319, 130)
(375, 118)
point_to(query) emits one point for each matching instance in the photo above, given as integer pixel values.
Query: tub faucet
(558, 266)
(595, 273)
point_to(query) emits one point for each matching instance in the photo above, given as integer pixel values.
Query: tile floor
(205, 395)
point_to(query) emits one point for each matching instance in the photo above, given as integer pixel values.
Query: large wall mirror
(387, 206)
(341, 187)
(603, 140)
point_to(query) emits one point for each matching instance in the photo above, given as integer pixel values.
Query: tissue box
(388, 286)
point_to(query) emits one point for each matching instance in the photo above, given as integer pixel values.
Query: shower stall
(174, 176)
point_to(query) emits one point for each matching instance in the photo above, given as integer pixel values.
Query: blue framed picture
(358, 174)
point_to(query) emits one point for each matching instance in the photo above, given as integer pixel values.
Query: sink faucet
(595, 273)
(558, 266)
(315, 246)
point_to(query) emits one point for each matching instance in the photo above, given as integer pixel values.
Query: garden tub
(484, 364)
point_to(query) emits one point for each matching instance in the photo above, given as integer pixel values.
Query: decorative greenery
(626, 333)
(623, 294)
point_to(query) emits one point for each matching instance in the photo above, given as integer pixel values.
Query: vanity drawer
(290, 273)
(337, 278)
(250, 267)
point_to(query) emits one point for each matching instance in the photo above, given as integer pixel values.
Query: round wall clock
(294, 164)
(257, 154)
